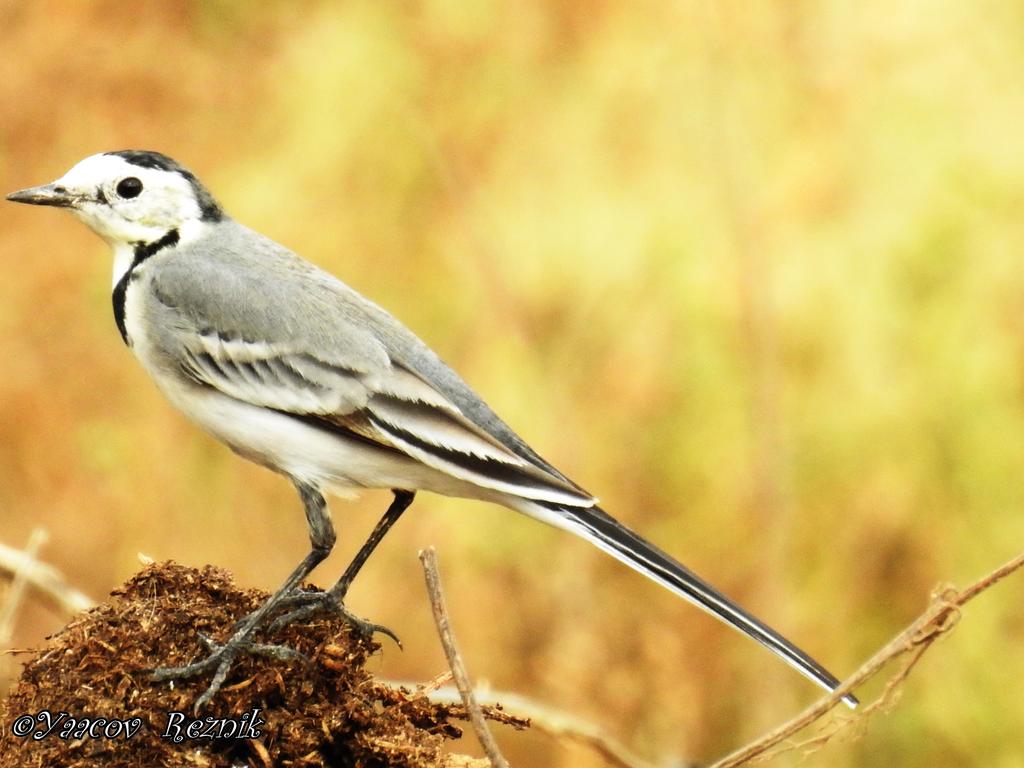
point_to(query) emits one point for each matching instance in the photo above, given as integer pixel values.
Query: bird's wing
(277, 333)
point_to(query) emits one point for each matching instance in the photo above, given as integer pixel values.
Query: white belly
(304, 452)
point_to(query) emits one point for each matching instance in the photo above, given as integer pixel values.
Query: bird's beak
(47, 194)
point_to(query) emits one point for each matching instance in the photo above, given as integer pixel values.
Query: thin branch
(424, 690)
(26, 571)
(428, 557)
(547, 720)
(16, 593)
(45, 579)
(941, 615)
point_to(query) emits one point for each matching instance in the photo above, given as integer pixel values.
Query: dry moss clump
(328, 712)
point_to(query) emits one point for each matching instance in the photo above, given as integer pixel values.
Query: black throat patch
(142, 252)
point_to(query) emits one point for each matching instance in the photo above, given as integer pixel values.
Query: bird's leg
(333, 599)
(322, 537)
(401, 502)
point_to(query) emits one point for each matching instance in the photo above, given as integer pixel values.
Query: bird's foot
(303, 604)
(221, 657)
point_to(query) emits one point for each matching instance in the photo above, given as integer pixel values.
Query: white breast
(134, 319)
(123, 256)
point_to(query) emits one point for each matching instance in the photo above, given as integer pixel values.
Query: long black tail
(601, 529)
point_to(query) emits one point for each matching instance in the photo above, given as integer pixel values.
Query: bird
(296, 371)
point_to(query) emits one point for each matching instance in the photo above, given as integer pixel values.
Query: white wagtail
(294, 370)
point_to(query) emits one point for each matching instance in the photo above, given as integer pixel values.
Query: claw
(313, 603)
(226, 657)
(222, 656)
(369, 629)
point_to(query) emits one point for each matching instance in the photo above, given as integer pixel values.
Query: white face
(125, 203)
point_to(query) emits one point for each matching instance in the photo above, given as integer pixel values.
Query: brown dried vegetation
(328, 711)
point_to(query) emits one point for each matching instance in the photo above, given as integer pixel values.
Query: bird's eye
(130, 187)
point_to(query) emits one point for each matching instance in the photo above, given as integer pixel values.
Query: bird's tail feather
(602, 530)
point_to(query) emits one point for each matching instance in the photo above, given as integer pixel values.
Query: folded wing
(328, 367)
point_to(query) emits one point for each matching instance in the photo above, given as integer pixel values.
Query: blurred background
(750, 272)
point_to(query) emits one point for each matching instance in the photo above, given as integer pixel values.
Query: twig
(19, 583)
(43, 578)
(16, 593)
(939, 618)
(428, 557)
(547, 720)
(423, 691)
